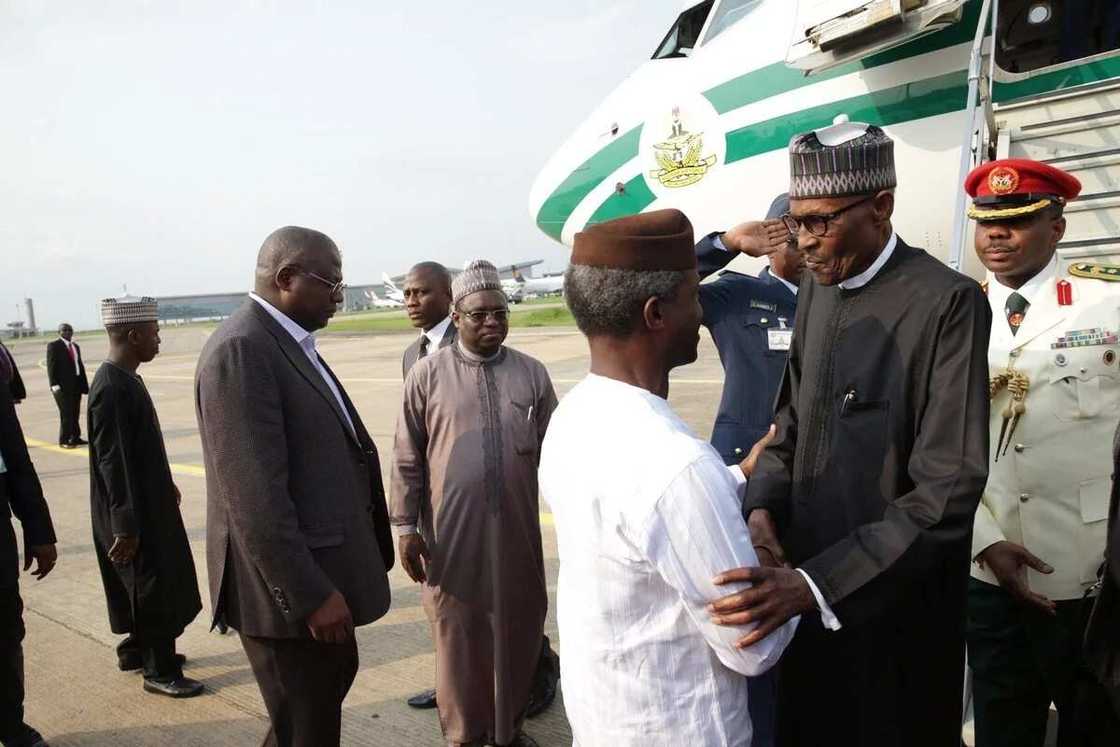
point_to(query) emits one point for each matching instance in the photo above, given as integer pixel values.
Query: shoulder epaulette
(1095, 271)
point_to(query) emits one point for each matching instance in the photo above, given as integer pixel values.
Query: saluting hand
(124, 550)
(332, 622)
(1006, 560)
(756, 238)
(414, 556)
(45, 557)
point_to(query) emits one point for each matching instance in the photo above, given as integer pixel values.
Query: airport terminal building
(216, 306)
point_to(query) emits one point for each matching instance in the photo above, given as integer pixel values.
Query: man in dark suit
(427, 299)
(66, 373)
(22, 495)
(297, 534)
(751, 322)
(15, 381)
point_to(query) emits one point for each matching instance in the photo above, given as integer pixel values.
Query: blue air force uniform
(751, 321)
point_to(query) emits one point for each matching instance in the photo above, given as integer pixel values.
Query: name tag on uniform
(779, 339)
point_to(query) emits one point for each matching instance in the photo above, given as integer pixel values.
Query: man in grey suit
(427, 299)
(297, 535)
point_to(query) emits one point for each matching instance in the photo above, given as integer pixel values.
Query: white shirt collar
(999, 292)
(786, 283)
(436, 333)
(298, 333)
(66, 342)
(867, 275)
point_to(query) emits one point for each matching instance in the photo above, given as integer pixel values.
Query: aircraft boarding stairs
(1077, 130)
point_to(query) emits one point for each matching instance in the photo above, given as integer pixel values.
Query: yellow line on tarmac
(176, 469)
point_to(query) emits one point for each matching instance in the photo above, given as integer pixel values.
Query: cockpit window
(727, 14)
(685, 34)
(1034, 34)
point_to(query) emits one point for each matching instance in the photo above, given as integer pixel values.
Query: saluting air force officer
(1055, 384)
(751, 321)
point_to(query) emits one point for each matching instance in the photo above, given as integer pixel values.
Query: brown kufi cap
(658, 240)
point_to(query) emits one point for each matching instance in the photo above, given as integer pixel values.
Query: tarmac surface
(76, 695)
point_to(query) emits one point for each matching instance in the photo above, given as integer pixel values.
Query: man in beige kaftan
(464, 504)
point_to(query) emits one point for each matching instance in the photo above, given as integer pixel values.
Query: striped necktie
(1015, 308)
(424, 340)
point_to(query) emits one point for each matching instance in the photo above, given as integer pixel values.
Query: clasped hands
(778, 592)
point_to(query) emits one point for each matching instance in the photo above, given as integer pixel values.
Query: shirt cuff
(740, 480)
(404, 529)
(828, 618)
(717, 242)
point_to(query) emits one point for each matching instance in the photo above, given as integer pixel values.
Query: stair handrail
(973, 104)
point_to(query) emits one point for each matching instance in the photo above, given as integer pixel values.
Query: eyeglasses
(335, 288)
(480, 317)
(818, 224)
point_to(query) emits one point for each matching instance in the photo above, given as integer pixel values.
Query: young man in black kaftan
(863, 504)
(141, 544)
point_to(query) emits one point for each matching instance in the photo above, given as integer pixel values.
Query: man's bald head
(299, 272)
(434, 271)
(291, 246)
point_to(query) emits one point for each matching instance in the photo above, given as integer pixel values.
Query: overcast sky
(155, 144)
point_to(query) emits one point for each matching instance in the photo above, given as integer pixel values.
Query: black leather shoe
(424, 700)
(133, 661)
(79, 442)
(67, 446)
(26, 737)
(183, 687)
(540, 698)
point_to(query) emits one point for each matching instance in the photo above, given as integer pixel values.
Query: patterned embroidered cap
(845, 159)
(129, 310)
(478, 275)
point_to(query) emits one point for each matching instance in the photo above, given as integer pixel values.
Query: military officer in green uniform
(1039, 532)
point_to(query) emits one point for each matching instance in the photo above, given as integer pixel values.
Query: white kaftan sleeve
(828, 618)
(695, 532)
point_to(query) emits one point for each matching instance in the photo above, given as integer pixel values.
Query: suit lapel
(449, 336)
(294, 353)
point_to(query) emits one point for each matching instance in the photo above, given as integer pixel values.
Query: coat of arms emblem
(679, 156)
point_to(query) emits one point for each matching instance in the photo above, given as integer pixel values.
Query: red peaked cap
(1017, 186)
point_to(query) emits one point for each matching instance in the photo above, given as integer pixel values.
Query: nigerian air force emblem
(679, 157)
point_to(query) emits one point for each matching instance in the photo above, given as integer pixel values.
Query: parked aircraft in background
(382, 303)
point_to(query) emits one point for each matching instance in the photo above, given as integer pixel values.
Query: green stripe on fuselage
(633, 199)
(745, 89)
(924, 98)
(775, 79)
(918, 100)
(564, 199)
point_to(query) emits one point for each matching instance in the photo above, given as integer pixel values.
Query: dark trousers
(69, 409)
(11, 661)
(1021, 661)
(157, 653)
(303, 683)
(762, 701)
